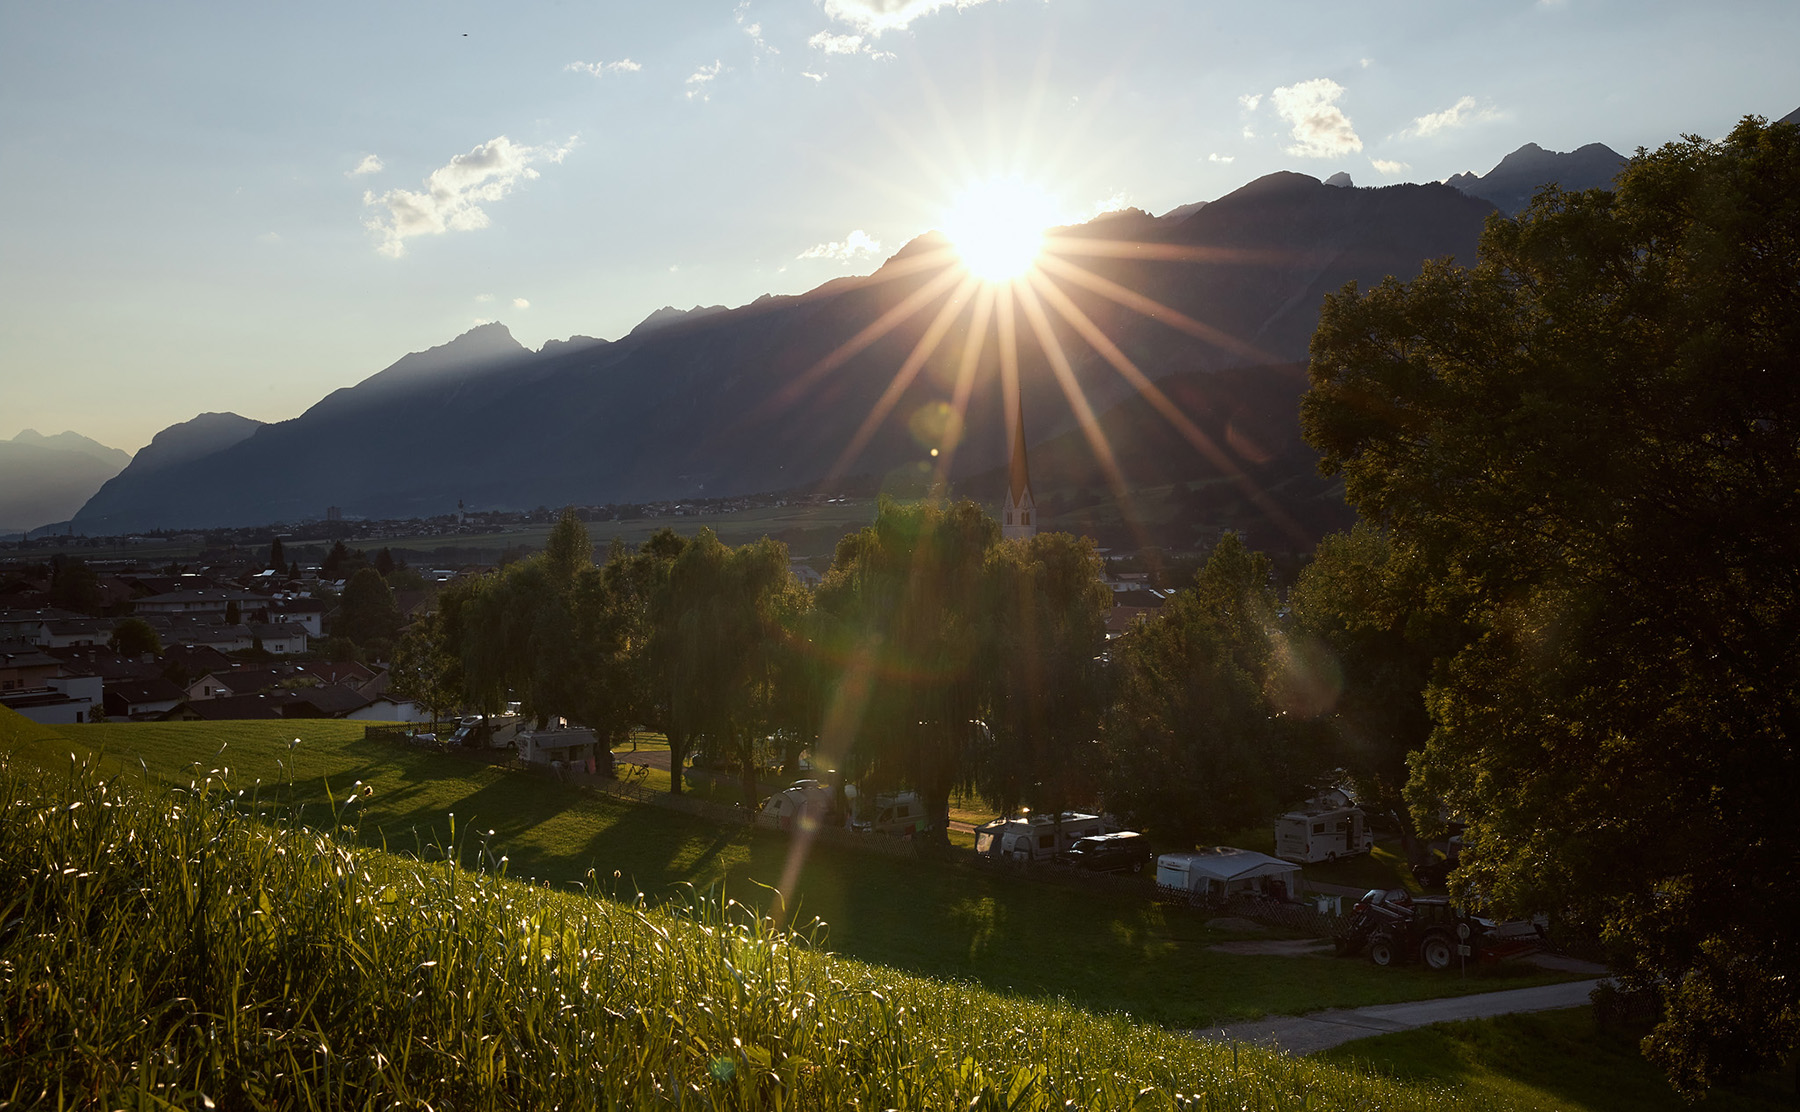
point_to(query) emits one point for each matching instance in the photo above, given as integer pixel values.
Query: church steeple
(1018, 518)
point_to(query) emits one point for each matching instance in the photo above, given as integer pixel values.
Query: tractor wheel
(1381, 949)
(1436, 952)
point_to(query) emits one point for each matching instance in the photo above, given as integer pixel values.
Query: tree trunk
(678, 751)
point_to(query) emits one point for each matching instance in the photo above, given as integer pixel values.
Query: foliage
(1596, 433)
(74, 585)
(424, 670)
(1046, 613)
(181, 954)
(277, 555)
(367, 612)
(1197, 744)
(134, 637)
(1374, 618)
(903, 605)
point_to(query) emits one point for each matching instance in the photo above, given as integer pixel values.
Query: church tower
(1018, 518)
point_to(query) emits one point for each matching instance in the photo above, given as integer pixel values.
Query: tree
(277, 557)
(367, 613)
(903, 602)
(1370, 621)
(1046, 613)
(1597, 430)
(233, 612)
(423, 669)
(1198, 744)
(135, 637)
(74, 585)
(384, 562)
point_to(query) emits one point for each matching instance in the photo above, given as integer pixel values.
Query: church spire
(1019, 514)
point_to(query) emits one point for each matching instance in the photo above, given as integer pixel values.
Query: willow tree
(903, 607)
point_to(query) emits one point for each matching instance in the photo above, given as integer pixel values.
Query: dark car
(1121, 852)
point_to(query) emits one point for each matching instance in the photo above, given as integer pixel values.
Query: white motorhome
(1328, 827)
(807, 803)
(1221, 872)
(1035, 837)
(899, 814)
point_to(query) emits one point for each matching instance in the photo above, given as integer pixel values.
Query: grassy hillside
(179, 950)
(1099, 949)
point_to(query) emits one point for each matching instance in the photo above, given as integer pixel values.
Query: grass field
(1547, 1062)
(173, 950)
(1099, 949)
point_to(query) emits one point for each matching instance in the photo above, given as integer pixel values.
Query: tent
(1225, 871)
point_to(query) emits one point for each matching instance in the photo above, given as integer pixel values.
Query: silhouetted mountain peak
(75, 442)
(669, 314)
(1511, 184)
(201, 436)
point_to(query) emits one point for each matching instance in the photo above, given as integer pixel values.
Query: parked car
(1123, 851)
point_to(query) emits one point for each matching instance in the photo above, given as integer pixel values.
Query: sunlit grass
(187, 949)
(1083, 944)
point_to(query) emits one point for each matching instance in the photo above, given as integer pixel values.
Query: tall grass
(193, 951)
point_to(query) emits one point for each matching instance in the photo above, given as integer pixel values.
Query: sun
(997, 227)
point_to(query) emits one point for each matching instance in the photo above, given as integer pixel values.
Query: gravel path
(1322, 1030)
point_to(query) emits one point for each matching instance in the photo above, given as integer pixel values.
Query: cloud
(875, 16)
(1249, 132)
(698, 80)
(369, 165)
(1320, 128)
(1249, 101)
(521, 303)
(754, 30)
(601, 69)
(1367, 62)
(269, 237)
(484, 297)
(811, 74)
(846, 44)
(454, 193)
(1458, 114)
(858, 242)
(1217, 157)
(836, 44)
(1388, 167)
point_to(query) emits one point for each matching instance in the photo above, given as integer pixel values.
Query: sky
(227, 206)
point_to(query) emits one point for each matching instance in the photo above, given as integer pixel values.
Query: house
(62, 633)
(200, 601)
(141, 699)
(60, 700)
(333, 700)
(23, 625)
(281, 638)
(193, 660)
(25, 667)
(1130, 605)
(303, 612)
(225, 638)
(342, 671)
(249, 681)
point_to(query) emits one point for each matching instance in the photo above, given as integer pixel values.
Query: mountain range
(47, 478)
(1219, 300)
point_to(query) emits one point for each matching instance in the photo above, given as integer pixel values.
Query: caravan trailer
(1328, 827)
(1036, 837)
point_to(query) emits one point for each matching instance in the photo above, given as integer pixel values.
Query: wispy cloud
(1320, 128)
(753, 29)
(875, 16)
(454, 193)
(847, 44)
(1249, 101)
(1464, 111)
(1388, 167)
(601, 69)
(1217, 157)
(369, 165)
(811, 74)
(857, 243)
(698, 81)
(521, 303)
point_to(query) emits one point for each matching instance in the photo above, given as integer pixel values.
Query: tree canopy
(1595, 433)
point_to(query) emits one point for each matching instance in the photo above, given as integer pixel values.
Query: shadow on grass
(1548, 1060)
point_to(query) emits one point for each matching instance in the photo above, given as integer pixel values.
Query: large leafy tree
(1046, 632)
(1597, 430)
(902, 607)
(1197, 743)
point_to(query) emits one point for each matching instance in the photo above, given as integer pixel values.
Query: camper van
(1328, 827)
(899, 814)
(1036, 837)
